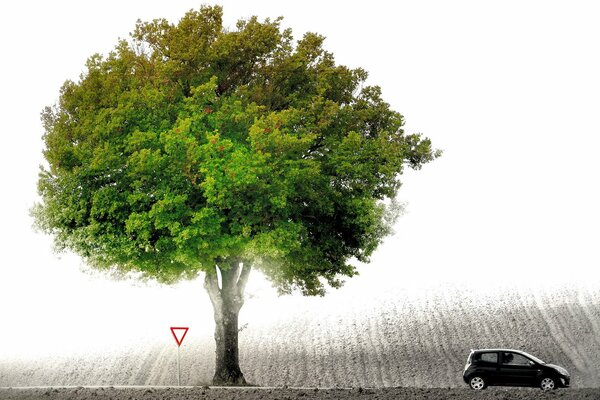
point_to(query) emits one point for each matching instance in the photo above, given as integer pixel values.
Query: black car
(506, 367)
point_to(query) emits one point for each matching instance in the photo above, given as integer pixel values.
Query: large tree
(193, 148)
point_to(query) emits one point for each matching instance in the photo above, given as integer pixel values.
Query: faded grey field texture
(402, 341)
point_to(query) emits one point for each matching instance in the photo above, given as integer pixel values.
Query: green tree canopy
(190, 145)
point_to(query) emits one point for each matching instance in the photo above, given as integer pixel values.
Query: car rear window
(489, 357)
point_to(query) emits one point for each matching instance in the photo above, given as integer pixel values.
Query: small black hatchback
(506, 367)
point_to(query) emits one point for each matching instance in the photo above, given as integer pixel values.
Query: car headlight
(562, 371)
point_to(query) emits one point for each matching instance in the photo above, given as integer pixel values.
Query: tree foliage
(190, 144)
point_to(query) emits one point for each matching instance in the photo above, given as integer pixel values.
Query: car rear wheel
(477, 383)
(547, 383)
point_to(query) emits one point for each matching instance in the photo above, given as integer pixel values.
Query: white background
(509, 90)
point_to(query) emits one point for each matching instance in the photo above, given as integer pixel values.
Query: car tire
(547, 383)
(477, 383)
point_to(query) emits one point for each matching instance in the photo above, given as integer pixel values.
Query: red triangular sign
(181, 331)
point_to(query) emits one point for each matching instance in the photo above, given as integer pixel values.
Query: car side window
(489, 357)
(514, 359)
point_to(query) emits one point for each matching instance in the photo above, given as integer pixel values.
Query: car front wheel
(477, 383)
(547, 383)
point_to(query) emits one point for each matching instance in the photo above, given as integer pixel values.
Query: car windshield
(534, 358)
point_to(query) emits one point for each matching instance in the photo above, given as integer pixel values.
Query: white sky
(509, 90)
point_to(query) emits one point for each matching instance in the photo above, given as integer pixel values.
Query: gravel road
(205, 393)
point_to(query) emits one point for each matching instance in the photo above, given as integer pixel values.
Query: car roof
(496, 350)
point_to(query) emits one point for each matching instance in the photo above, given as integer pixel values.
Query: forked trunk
(227, 299)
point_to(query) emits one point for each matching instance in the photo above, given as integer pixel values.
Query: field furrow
(560, 332)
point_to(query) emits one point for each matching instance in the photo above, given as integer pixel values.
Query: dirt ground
(205, 393)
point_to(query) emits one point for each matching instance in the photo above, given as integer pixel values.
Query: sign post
(179, 340)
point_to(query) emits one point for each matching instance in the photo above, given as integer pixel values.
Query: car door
(487, 365)
(516, 369)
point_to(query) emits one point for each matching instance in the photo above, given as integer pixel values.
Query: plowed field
(402, 341)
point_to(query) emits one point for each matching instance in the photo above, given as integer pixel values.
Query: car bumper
(564, 381)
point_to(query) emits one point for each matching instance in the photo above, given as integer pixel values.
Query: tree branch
(212, 287)
(229, 277)
(315, 146)
(243, 279)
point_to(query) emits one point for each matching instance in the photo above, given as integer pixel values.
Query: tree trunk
(227, 299)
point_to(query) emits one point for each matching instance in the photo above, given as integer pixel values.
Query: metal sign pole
(179, 341)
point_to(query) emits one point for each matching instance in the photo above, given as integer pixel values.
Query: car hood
(554, 366)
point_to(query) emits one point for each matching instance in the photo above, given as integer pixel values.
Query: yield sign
(181, 332)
